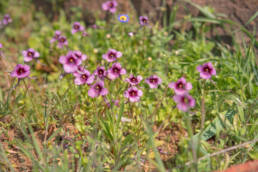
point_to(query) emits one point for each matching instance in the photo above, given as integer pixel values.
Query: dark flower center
(30, 54)
(185, 100)
(153, 80)
(20, 71)
(100, 72)
(144, 20)
(180, 85)
(133, 93)
(133, 79)
(84, 77)
(76, 26)
(207, 69)
(98, 88)
(56, 36)
(62, 40)
(71, 60)
(111, 5)
(116, 70)
(111, 55)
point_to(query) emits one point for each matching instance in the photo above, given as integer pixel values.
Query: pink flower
(77, 27)
(112, 55)
(181, 86)
(100, 72)
(153, 81)
(83, 78)
(7, 19)
(70, 62)
(133, 94)
(97, 89)
(1, 46)
(21, 71)
(184, 102)
(79, 55)
(134, 80)
(84, 34)
(116, 71)
(30, 54)
(109, 6)
(144, 20)
(56, 36)
(206, 70)
(62, 41)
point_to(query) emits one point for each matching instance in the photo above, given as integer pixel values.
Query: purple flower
(62, 41)
(111, 55)
(77, 27)
(84, 34)
(80, 70)
(100, 72)
(70, 62)
(115, 71)
(79, 55)
(1, 46)
(30, 54)
(109, 6)
(21, 71)
(97, 89)
(144, 20)
(206, 70)
(153, 81)
(134, 80)
(133, 94)
(184, 102)
(83, 78)
(180, 86)
(56, 36)
(7, 19)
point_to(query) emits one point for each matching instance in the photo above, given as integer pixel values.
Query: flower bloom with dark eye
(21, 71)
(112, 55)
(116, 71)
(100, 72)
(133, 94)
(134, 80)
(7, 19)
(206, 70)
(70, 62)
(184, 102)
(79, 55)
(77, 27)
(109, 6)
(97, 89)
(144, 20)
(83, 77)
(153, 81)
(62, 41)
(56, 36)
(180, 86)
(123, 18)
(30, 54)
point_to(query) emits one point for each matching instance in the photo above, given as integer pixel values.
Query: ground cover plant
(125, 94)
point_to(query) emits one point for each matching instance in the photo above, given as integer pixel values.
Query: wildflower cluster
(5, 21)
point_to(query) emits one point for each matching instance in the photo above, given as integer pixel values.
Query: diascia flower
(56, 36)
(144, 20)
(111, 55)
(7, 19)
(70, 62)
(30, 54)
(77, 27)
(83, 77)
(97, 89)
(184, 102)
(21, 71)
(100, 72)
(133, 94)
(180, 86)
(79, 55)
(206, 70)
(153, 81)
(109, 6)
(62, 41)
(134, 80)
(116, 71)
